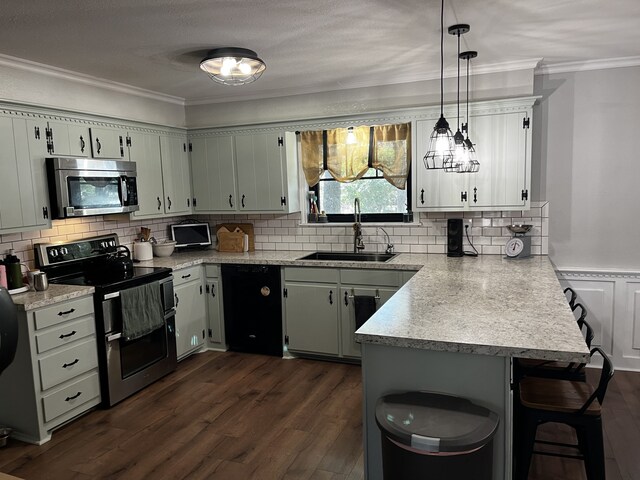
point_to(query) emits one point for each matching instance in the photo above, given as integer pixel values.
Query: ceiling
(308, 45)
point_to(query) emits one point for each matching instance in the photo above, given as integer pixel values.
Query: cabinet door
(13, 178)
(175, 174)
(190, 317)
(435, 189)
(144, 149)
(69, 139)
(502, 147)
(259, 164)
(213, 174)
(213, 311)
(107, 142)
(350, 347)
(312, 317)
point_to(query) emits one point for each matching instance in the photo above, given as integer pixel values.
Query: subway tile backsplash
(488, 232)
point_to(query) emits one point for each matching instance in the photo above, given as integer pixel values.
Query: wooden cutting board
(228, 242)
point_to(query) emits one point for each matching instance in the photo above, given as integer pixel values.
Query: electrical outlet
(468, 223)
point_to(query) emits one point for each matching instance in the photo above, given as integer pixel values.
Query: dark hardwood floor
(239, 416)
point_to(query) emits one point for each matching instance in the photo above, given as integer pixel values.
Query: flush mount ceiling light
(233, 66)
(440, 154)
(460, 148)
(471, 163)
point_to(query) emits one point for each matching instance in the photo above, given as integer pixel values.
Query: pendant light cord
(468, 60)
(442, 59)
(458, 79)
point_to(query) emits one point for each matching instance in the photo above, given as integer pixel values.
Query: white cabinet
(175, 174)
(213, 174)
(191, 312)
(245, 172)
(66, 138)
(107, 142)
(24, 202)
(144, 150)
(503, 143)
(54, 376)
(215, 315)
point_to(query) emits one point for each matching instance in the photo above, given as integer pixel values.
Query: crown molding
(56, 72)
(585, 66)
(527, 64)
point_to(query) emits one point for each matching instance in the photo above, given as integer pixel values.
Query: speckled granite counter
(54, 294)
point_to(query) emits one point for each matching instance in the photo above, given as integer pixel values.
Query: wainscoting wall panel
(612, 300)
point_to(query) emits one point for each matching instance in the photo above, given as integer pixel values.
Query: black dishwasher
(252, 308)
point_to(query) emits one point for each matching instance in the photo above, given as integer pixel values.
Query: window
(368, 162)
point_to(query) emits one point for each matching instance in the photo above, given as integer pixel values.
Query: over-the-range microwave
(79, 187)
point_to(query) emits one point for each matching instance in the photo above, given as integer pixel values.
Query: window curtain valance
(347, 153)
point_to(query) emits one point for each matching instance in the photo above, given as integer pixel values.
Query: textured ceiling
(308, 45)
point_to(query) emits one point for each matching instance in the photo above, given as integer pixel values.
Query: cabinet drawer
(63, 312)
(70, 397)
(323, 275)
(387, 278)
(66, 333)
(68, 363)
(212, 271)
(187, 275)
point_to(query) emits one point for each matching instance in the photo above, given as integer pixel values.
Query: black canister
(14, 272)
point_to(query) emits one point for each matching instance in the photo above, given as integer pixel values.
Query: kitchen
(587, 208)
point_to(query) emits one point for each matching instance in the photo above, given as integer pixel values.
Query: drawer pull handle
(67, 312)
(66, 365)
(68, 399)
(186, 276)
(65, 335)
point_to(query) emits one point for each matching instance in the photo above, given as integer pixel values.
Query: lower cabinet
(320, 317)
(191, 312)
(54, 375)
(215, 318)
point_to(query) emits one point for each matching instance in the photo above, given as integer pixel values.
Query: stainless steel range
(127, 363)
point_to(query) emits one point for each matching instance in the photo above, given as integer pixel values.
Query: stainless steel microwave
(79, 187)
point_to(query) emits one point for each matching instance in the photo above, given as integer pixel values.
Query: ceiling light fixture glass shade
(233, 66)
(470, 163)
(440, 154)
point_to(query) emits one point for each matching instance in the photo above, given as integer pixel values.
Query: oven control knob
(112, 243)
(53, 253)
(64, 251)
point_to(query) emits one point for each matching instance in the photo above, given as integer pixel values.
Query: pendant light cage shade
(233, 66)
(441, 152)
(470, 163)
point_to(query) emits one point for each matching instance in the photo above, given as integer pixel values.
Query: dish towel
(365, 306)
(141, 310)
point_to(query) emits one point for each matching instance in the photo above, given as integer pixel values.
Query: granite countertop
(485, 305)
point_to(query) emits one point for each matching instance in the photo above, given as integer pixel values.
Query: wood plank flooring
(239, 416)
(219, 416)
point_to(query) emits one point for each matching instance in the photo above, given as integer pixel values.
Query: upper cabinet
(503, 143)
(23, 194)
(175, 173)
(246, 172)
(108, 142)
(65, 138)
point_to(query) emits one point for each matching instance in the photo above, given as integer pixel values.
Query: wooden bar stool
(576, 404)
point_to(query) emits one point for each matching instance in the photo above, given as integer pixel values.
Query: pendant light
(440, 153)
(233, 66)
(472, 165)
(459, 149)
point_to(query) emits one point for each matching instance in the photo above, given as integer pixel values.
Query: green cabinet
(67, 138)
(245, 172)
(144, 149)
(191, 312)
(175, 174)
(108, 142)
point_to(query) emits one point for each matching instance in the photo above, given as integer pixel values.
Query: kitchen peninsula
(453, 328)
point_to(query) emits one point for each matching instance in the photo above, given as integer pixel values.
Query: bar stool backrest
(587, 331)
(605, 375)
(573, 296)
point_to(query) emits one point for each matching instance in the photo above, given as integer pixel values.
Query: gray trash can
(431, 436)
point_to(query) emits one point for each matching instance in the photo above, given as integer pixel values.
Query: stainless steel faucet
(389, 248)
(358, 244)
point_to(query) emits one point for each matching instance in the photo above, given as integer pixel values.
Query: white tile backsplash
(286, 232)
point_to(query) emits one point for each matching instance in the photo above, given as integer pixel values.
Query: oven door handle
(111, 295)
(114, 336)
(124, 196)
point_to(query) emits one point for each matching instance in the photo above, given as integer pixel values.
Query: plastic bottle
(13, 271)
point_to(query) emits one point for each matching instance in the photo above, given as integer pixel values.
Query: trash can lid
(434, 422)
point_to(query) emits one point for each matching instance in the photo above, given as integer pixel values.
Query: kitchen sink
(350, 257)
